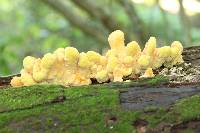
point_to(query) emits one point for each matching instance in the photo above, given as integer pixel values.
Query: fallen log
(111, 107)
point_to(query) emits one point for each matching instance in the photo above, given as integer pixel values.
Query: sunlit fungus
(68, 67)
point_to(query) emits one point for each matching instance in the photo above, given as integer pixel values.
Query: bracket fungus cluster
(68, 67)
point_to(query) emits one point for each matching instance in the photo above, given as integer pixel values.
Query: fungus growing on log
(68, 67)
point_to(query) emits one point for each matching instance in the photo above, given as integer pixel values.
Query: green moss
(92, 108)
(141, 82)
(157, 80)
(188, 108)
(189, 131)
(184, 110)
(85, 108)
(16, 98)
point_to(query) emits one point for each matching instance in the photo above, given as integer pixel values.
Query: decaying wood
(165, 95)
(193, 125)
(161, 96)
(192, 55)
(4, 81)
(132, 97)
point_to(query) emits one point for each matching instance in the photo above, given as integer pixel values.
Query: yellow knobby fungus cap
(26, 78)
(178, 60)
(93, 56)
(112, 63)
(175, 52)
(102, 76)
(28, 63)
(116, 39)
(103, 60)
(60, 54)
(118, 74)
(112, 52)
(71, 55)
(127, 71)
(178, 45)
(48, 60)
(150, 46)
(81, 80)
(133, 48)
(144, 60)
(128, 60)
(16, 82)
(158, 62)
(40, 75)
(84, 61)
(148, 73)
(164, 51)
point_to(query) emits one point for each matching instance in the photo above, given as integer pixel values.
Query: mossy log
(145, 105)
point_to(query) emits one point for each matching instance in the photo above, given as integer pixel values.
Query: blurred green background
(35, 27)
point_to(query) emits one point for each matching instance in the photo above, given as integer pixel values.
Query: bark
(162, 96)
(4, 81)
(83, 24)
(191, 55)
